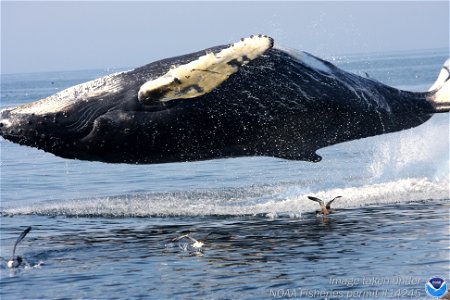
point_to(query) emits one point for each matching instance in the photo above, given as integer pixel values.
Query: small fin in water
(204, 74)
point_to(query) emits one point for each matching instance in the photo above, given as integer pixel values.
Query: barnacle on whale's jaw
(18, 128)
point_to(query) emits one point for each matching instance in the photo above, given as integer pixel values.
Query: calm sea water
(105, 231)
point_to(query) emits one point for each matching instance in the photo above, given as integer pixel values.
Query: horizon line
(117, 69)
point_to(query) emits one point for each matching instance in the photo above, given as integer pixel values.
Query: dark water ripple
(244, 257)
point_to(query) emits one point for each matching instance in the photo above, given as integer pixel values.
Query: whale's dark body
(278, 105)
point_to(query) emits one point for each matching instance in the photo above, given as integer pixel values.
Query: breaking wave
(289, 200)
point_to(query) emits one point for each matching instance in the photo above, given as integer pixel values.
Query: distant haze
(55, 36)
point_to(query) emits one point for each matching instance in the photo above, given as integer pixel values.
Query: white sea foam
(218, 202)
(423, 151)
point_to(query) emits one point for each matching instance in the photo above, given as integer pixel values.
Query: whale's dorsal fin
(204, 74)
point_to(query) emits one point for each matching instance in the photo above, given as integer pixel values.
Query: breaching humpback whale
(244, 99)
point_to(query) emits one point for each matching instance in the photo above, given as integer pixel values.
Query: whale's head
(60, 123)
(133, 116)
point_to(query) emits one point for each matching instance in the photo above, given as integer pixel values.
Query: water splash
(414, 153)
(240, 201)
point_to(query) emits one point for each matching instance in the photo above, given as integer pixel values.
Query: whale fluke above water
(250, 98)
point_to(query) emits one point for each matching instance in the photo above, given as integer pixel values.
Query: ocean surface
(106, 231)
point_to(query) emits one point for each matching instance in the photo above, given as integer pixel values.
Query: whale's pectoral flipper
(204, 74)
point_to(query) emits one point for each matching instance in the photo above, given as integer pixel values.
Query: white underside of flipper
(204, 74)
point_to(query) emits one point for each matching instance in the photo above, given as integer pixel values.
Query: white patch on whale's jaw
(4, 122)
(204, 74)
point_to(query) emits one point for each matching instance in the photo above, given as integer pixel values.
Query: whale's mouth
(8, 129)
(4, 119)
(46, 132)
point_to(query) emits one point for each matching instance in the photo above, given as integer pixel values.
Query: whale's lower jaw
(42, 132)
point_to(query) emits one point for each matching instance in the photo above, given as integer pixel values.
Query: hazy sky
(53, 36)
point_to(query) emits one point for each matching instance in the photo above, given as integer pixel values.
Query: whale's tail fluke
(439, 93)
